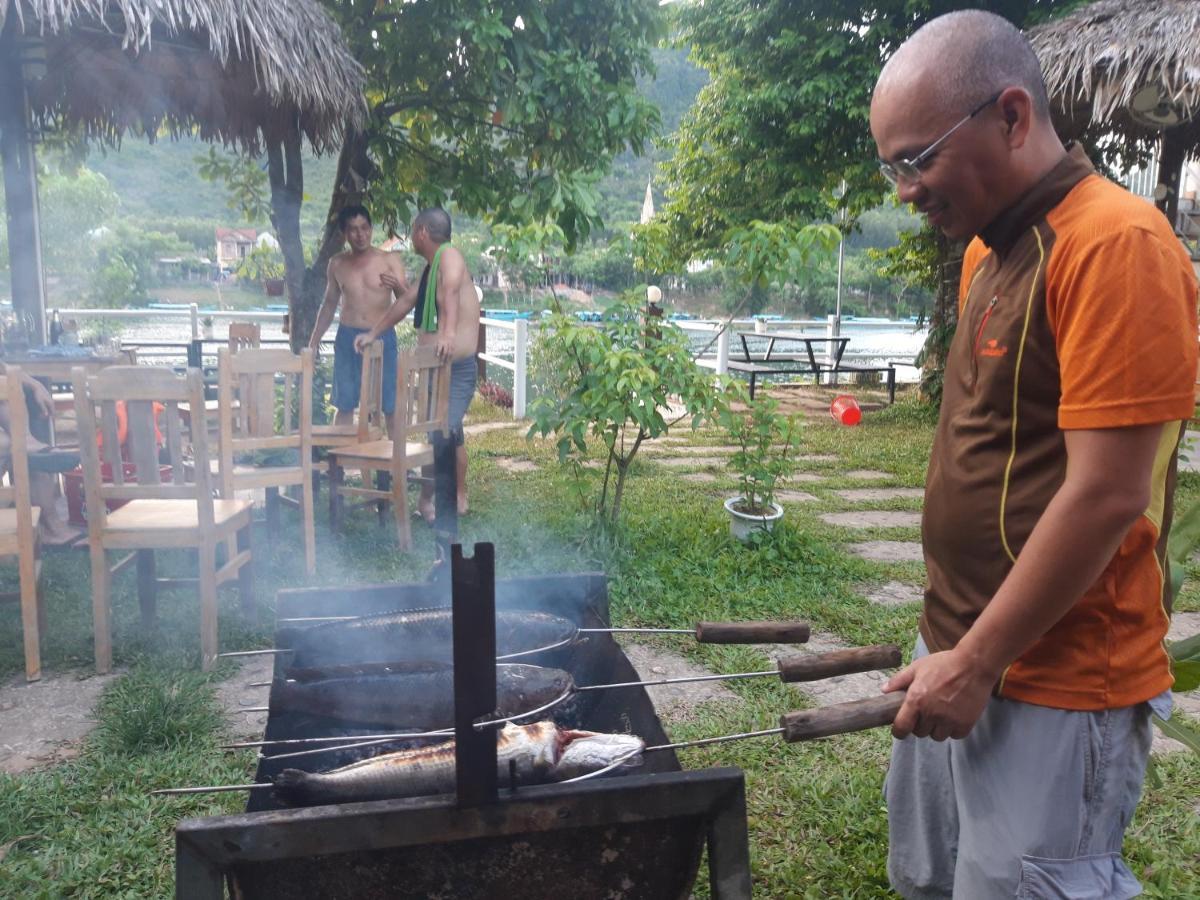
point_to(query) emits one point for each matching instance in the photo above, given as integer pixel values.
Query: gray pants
(1033, 803)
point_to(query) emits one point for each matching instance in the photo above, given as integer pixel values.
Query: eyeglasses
(909, 170)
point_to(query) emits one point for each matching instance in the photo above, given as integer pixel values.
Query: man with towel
(446, 316)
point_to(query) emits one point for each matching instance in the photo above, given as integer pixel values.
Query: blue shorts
(463, 375)
(347, 369)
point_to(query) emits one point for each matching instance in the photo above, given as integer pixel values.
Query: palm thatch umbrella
(1130, 69)
(246, 73)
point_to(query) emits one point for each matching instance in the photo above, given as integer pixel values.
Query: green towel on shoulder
(429, 311)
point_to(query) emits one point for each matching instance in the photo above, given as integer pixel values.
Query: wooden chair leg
(383, 482)
(246, 576)
(32, 615)
(272, 512)
(101, 612)
(306, 522)
(208, 604)
(337, 478)
(400, 511)
(147, 588)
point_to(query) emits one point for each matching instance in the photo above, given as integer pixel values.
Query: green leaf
(1181, 731)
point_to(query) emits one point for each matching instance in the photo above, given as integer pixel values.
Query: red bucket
(845, 410)
(73, 489)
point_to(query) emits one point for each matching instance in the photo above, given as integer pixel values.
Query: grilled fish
(423, 636)
(419, 700)
(534, 752)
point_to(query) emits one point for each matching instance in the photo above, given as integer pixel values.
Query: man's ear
(1016, 111)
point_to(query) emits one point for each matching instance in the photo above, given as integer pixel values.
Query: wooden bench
(803, 367)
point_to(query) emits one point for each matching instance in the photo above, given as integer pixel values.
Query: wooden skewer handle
(810, 667)
(841, 718)
(752, 632)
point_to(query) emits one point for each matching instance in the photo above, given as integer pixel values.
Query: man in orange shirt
(1048, 499)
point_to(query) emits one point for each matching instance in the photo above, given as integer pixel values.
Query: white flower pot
(743, 525)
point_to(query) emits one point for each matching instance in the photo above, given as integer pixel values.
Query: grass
(818, 826)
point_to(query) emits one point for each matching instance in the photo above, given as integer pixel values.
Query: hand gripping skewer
(799, 725)
(791, 669)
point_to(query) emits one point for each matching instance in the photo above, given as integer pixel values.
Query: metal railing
(518, 364)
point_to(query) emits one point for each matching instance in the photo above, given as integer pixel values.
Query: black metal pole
(473, 604)
(20, 188)
(445, 494)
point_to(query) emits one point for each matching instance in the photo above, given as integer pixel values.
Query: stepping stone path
(817, 458)
(482, 427)
(873, 518)
(516, 465)
(889, 551)
(676, 450)
(894, 593)
(878, 495)
(675, 702)
(701, 477)
(42, 722)
(867, 475)
(1183, 625)
(804, 478)
(680, 462)
(234, 696)
(794, 497)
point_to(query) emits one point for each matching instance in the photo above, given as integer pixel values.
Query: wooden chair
(19, 523)
(180, 514)
(368, 424)
(255, 416)
(422, 400)
(244, 336)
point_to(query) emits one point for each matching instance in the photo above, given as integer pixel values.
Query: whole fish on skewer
(536, 753)
(419, 700)
(423, 636)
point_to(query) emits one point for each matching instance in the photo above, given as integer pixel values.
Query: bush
(496, 394)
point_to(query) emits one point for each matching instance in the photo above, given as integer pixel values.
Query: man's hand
(390, 281)
(364, 340)
(946, 696)
(41, 396)
(445, 346)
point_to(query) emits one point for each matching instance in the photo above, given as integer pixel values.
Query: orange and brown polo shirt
(1077, 310)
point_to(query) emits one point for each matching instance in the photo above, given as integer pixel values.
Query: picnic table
(807, 364)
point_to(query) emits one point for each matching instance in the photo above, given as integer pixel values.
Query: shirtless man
(366, 278)
(452, 326)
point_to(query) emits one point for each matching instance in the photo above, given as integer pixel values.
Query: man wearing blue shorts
(446, 315)
(364, 279)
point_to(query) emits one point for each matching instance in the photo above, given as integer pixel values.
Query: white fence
(518, 364)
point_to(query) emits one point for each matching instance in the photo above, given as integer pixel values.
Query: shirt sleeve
(1123, 311)
(976, 251)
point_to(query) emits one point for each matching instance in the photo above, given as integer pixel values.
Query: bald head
(436, 222)
(963, 58)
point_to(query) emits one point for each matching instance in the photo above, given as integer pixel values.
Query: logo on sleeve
(993, 348)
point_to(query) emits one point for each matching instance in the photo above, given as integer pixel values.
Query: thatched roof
(1098, 58)
(235, 70)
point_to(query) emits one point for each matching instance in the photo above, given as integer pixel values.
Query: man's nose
(909, 191)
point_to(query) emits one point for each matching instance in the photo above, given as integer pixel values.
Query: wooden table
(57, 369)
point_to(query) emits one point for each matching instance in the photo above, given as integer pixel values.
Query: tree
(72, 204)
(511, 109)
(784, 117)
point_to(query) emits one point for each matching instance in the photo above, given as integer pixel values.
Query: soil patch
(675, 702)
(889, 551)
(873, 518)
(43, 723)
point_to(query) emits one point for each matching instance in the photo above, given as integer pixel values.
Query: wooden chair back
(267, 415)
(244, 335)
(422, 396)
(139, 389)
(370, 394)
(16, 492)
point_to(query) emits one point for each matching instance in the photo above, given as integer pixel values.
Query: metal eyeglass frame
(909, 170)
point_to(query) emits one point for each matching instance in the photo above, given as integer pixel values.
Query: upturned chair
(179, 514)
(368, 423)
(422, 400)
(19, 523)
(255, 416)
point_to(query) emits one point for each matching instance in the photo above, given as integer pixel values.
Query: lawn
(818, 827)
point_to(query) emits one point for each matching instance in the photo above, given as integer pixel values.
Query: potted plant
(206, 324)
(766, 442)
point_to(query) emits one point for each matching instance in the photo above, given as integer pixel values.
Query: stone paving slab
(878, 495)
(804, 478)
(516, 465)
(867, 475)
(234, 696)
(839, 689)
(675, 702)
(43, 722)
(681, 462)
(701, 477)
(873, 518)
(690, 450)
(889, 551)
(795, 496)
(894, 593)
(483, 427)
(817, 458)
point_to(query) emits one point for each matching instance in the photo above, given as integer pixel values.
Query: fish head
(583, 752)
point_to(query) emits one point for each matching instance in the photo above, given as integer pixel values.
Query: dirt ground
(42, 723)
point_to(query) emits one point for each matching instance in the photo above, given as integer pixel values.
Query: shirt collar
(1003, 231)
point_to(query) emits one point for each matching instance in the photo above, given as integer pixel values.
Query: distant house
(233, 245)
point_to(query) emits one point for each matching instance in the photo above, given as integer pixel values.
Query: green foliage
(261, 264)
(114, 285)
(766, 446)
(619, 379)
(249, 191)
(153, 709)
(126, 249)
